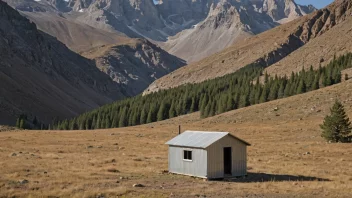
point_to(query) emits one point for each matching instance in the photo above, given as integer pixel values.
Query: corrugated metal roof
(199, 139)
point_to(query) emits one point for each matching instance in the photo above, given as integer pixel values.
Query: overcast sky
(317, 3)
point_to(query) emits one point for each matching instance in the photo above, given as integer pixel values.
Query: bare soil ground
(288, 158)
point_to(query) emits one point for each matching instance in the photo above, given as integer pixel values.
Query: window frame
(187, 155)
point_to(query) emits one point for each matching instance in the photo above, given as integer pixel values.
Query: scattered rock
(117, 181)
(138, 185)
(116, 144)
(23, 181)
(100, 147)
(276, 108)
(14, 154)
(100, 196)
(113, 160)
(306, 153)
(121, 148)
(113, 170)
(164, 172)
(89, 147)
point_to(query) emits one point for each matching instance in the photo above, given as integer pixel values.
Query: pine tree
(230, 104)
(18, 121)
(97, 125)
(315, 84)
(337, 126)
(81, 125)
(88, 124)
(281, 92)
(243, 100)
(301, 87)
(143, 118)
(73, 124)
(266, 78)
(162, 112)
(194, 105)
(135, 118)
(264, 95)
(212, 109)
(123, 118)
(273, 94)
(22, 124)
(205, 112)
(152, 114)
(93, 122)
(107, 123)
(172, 111)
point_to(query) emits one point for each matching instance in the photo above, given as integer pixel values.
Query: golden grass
(109, 162)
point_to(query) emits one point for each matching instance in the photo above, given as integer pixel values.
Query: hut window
(187, 155)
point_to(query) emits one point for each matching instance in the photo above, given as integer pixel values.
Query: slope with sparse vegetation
(210, 98)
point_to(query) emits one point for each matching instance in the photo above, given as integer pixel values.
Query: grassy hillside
(288, 158)
(212, 97)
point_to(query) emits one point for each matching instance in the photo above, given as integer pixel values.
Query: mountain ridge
(266, 48)
(200, 27)
(41, 77)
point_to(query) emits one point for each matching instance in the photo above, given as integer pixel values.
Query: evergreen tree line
(247, 86)
(23, 122)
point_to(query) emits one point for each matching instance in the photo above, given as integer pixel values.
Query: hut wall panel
(197, 167)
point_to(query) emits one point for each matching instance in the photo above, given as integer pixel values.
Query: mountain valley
(91, 92)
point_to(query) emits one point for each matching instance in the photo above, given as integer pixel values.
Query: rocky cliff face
(132, 63)
(200, 27)
(325, 34)
(228, 22)
(135, 65)
(41, 77)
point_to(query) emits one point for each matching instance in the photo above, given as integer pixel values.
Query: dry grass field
(288, 158)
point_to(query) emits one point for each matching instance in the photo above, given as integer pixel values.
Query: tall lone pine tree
(337, 126)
